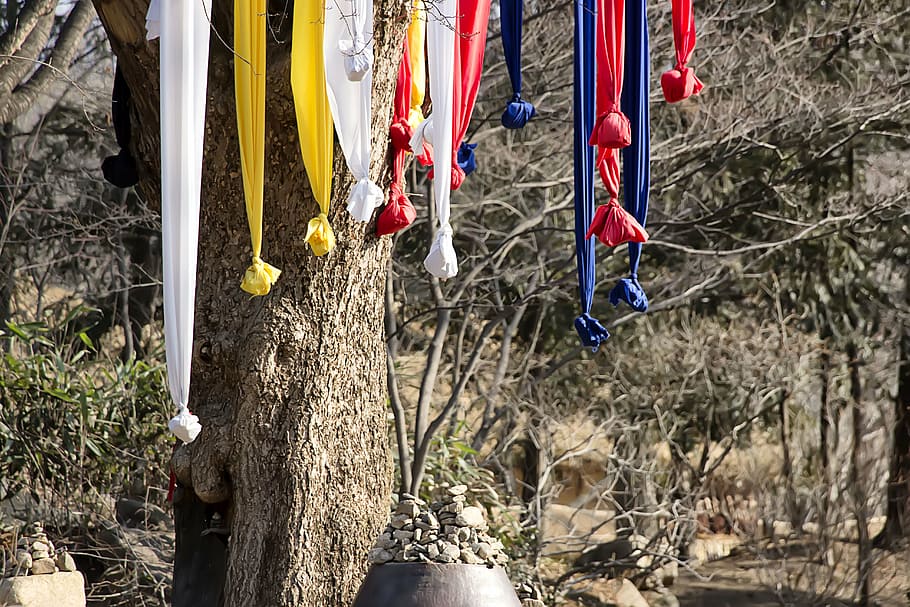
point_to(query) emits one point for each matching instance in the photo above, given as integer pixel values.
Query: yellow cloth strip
(249, 89)
(417, 31)
(314, 117)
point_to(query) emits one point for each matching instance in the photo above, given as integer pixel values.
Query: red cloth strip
(681, 82)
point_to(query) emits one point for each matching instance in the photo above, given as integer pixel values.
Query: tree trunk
(897, 525)
(289, 387)
(857, 472)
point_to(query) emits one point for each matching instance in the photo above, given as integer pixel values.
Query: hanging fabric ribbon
(591, 332)
(184, 70)
(120, 169)
(518, 111)
(470, 41)
(348, 52)
(399, 213)
(416, 43)
(249, 89)
(436, 131)
(680, 82)
(636, 159)
(314, 117)
(612, 225)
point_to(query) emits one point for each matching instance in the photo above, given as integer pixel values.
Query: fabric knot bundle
(398, 214)
(185, 425)
(442, 261)
(681, 82)
(591, 332)
(517, 113)
(121, 169)
(614, 226)
(465, 159)
(612, 130)
(630, 291)
(365, 197)
(400, 133)
(358, 58)
(319, 235)
(259, 277)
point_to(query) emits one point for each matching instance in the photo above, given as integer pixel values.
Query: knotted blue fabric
(591, 332)
(465, 157)
(636, 158)
(518, 111)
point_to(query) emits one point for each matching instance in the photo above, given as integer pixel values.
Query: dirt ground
(791, 574)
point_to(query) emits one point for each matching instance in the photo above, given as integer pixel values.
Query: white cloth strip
(348, 36)
(437, 131)
(184, 71)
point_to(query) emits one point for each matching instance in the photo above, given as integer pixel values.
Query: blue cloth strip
(518, 111)
(591, 332)
(636, 159)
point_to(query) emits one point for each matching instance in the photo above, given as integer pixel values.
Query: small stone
(23, 560)
(472, 516)
(483, 550)
(450, 549)
(468, 556)
(39, 546)
(409, 508)
(454, 508)
(400, 520)
(432, 551)
(40, 554)
(457, 490)
(449, 530)
(43, 567)
(463, 534)
(403, 536)
(378, 556)
(385, 541)
(532, 603)
(418, 533)
(444, 558)
(459, 499)
(65, 562)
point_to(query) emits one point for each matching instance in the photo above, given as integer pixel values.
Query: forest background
(768, 385)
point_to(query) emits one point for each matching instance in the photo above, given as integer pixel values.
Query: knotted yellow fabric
(249, 89)
(319, 235)
(314, 117)
(417, 31)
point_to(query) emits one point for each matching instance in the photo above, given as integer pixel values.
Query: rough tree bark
(290, 387)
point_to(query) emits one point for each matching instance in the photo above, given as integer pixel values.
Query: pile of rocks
(35, 555)
(528, 595)
(447, 531)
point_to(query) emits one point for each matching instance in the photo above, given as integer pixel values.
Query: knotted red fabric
(681, 82)
(399, 213)
(612, 224)
(611, 130)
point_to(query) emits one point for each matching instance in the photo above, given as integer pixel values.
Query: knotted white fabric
(184, 70)
(153, 20)
(423, 134)
(185, 425)
(348, 23)
(358, 56)
(442, 261)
